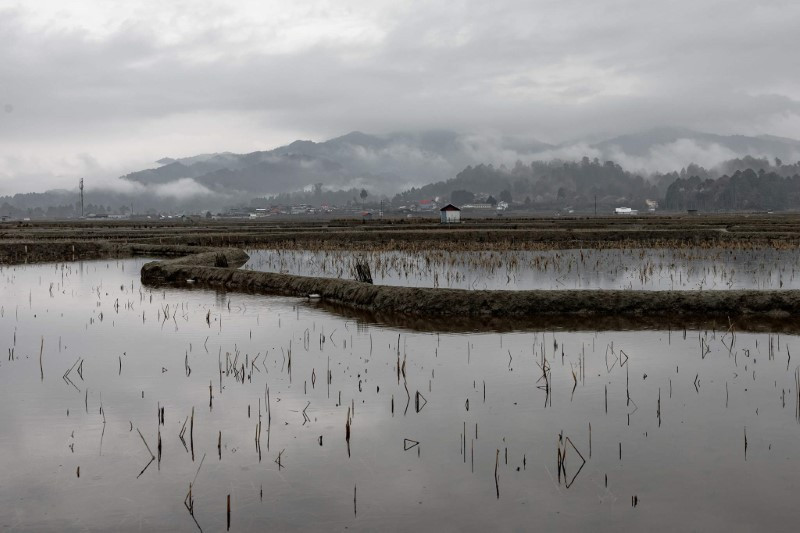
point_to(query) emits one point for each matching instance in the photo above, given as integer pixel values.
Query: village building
(450, 214)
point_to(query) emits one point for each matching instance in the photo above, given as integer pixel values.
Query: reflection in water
(657, 269)
(146, 391)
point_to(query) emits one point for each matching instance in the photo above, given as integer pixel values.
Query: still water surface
(449, 431)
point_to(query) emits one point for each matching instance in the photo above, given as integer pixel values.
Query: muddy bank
(21, 252)
(730, 230)
(216, 259)
(493, 307)
(42, 251)
(430, 302)
(437, 238)
(506, 324)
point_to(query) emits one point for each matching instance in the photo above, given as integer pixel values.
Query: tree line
(746, 183)
(744, 190)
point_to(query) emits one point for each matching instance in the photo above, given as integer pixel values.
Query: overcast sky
(97, 88)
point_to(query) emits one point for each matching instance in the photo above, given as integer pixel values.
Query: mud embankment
(206, 262)
(21, 252)
(430, 302)
(43, 251)
(577, 322)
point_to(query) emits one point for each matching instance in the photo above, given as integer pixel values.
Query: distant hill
(387, 164)
(382, 163)
(414, 166)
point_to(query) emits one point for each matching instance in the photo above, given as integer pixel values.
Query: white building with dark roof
(450, 214)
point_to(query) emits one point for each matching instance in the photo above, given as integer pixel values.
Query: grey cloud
(552, 71)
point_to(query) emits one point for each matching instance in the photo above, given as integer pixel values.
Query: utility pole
(80, 186)
(595, 205)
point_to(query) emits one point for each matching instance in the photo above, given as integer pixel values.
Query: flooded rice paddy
(637, 269)
(118, 398)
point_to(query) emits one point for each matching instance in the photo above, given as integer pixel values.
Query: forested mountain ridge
(402, 169)
(382, 163)
(390, 163)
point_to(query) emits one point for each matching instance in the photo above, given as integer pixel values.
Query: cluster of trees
(544, 184)
(462, 197)
(319, 196)
(743, 190)
(58, 210)
(66, 204)
(51, 211)
(746, 183)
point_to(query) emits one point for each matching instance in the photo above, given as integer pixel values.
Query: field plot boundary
(43, 251)
(199, 270)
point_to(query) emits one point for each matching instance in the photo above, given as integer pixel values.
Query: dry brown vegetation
(518, 234)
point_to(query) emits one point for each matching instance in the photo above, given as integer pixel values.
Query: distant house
(625, 211)
(366, 215)
(450, 214)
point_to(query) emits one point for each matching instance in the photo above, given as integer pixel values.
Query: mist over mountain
(381, 163)
(409, 166)
(643, 144)
(388, 164)
(661, 150)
